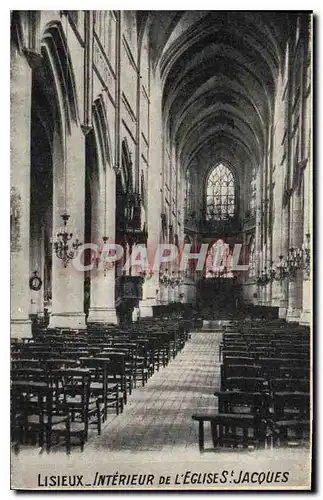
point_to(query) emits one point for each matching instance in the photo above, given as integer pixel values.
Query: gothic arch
(54, 49)
(126, 167)
(100, 123)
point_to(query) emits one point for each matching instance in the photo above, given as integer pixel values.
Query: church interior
(188, 131)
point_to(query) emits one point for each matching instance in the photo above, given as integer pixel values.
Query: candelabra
(266, 276)
(64, 248)
(177, 280)
(146, 274)
(306, 251)
(164, 278)
(297, 259)
(294, 261)
(281, 269)
(263, 279)
(271, 273)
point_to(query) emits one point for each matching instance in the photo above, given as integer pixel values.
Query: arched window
(220, 194)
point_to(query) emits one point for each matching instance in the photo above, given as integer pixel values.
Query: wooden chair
(290, 385)
(73, 385)
(101, 386)
(246, 384)
(294, 373)
(238, 370)
(35, 415)
(240, 420)
(229, 359)
(291, 417)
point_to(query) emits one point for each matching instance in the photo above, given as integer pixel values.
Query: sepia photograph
(161, 250)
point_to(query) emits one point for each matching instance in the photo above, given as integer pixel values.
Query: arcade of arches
(151, 127)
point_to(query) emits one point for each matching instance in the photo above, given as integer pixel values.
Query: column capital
(34, 58)
(117, 169)
(86, 129)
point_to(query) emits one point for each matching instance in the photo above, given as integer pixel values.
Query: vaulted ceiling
(219, 71)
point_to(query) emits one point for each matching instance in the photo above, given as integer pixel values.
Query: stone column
(20, 124)
(68, 282)
(276, 250)
(102, 308)
(154, 196)
(307, 305)
(283, 306)
(37, 264)
(171, 294)
(295, 285)
(258, 231)
(162, 294)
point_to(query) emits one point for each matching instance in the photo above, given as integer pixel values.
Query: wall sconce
(306, 250)
(294, 261)
(146, 274)
(164, 279)
(271, 273)
(263, 279)
(281, 269)
(266, 276)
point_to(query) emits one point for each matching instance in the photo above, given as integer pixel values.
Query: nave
(183, 138)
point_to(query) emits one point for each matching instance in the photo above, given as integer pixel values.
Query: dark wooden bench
(224, 428)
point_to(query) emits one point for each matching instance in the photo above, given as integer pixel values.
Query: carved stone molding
(117, 169)
(34, 58)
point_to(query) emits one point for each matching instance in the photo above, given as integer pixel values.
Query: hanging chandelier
(65, 249)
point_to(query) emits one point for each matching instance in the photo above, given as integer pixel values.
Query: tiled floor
(159, 415)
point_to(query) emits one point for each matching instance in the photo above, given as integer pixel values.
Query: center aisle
(159, 415)
(155, 436)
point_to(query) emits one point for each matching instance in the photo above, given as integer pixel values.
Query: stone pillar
(154, 197)
(276, 285)
(258, 231)
(163, 294)
(176, 293)
(37, 265)
(150, 297)
(284, 251)
(171, 294)
(20, 124)
(102, 307)
(279, 178)
(295, 297)
(192, 292)
(307, 305)
(68, 282)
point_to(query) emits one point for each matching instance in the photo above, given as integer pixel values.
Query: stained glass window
(220, 194)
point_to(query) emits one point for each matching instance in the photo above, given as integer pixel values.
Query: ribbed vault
(219, 71)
